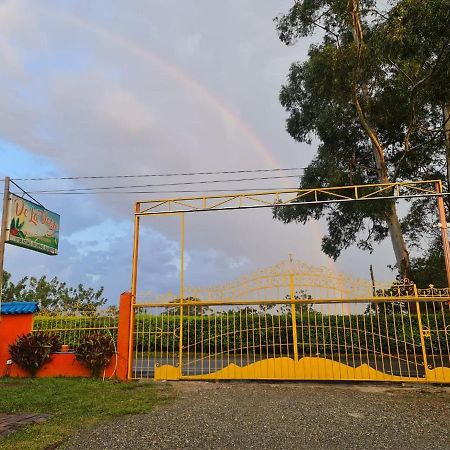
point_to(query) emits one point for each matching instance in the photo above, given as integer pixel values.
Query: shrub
(95, 352)
(317, 332)
(31, 351)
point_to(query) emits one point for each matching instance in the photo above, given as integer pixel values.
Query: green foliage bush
(95, 352)
(31, 351)
(316, 333)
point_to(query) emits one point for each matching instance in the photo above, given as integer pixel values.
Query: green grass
(73, 404)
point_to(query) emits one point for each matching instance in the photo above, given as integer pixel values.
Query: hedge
(316, 333)
(273, 333)
(71, 329)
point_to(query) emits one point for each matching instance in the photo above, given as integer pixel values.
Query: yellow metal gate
(295, 322)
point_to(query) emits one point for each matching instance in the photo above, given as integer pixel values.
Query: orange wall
(64, 364)
(11, 327)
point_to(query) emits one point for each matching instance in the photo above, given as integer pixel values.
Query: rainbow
(177, 74)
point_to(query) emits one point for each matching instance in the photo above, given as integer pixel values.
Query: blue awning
(18, 307)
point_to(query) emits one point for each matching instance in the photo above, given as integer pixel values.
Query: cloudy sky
(116, 87)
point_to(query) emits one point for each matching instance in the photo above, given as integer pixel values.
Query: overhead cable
(97, 177)
(248, 189)
(107, 188)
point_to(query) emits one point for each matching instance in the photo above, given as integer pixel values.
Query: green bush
(316, 333)
(31, 351)
(95, 352)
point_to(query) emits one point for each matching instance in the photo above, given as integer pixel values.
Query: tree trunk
(393, 223)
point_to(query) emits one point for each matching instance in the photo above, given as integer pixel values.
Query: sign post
(3, 233)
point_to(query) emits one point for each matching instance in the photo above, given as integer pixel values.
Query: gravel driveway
(247, 415)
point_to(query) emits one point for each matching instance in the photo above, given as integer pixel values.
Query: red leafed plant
(95, 352)
(15, 228)
(31, 351)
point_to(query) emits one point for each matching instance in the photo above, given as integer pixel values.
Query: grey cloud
(157, 87)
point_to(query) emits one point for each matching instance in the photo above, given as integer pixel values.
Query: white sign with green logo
(32, 226)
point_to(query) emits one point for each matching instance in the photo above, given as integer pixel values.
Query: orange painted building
(16, 319)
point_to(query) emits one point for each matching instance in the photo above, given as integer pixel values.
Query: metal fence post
(422, 340)
(181, 315)
(294, 316)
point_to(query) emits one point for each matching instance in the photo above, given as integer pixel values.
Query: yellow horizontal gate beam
(290, 197)
(254, 302)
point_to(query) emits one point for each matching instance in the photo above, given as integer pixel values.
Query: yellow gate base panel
(439, 375)
(308, 368)
(167, 372)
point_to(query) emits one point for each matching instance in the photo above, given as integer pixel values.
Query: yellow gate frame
(272, 199)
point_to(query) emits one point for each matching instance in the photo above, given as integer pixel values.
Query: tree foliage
(372, 91)
(285, 308)
(430, 267)
(52, 295)
(302, 307)
(189, 310)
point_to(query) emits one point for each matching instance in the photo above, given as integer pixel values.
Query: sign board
(32, 226)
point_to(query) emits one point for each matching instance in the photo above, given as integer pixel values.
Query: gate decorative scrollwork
(295, 321)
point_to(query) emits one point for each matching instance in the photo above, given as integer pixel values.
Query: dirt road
(246, 415)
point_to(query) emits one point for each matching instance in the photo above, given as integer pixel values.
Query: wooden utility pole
(374, 291)
(444, 230)
(3, 232)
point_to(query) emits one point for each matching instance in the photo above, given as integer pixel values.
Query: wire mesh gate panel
(295, 322)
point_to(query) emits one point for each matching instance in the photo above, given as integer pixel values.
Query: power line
(99, 189)
(170, 191)
(26, 193)
(97, 177)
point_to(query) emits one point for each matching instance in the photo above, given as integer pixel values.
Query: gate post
(124, 336)
(422, 340)
(180, 359)
(294, 316)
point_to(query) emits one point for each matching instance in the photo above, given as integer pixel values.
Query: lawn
(73, 404)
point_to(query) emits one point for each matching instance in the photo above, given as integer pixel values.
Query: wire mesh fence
(72, 326)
